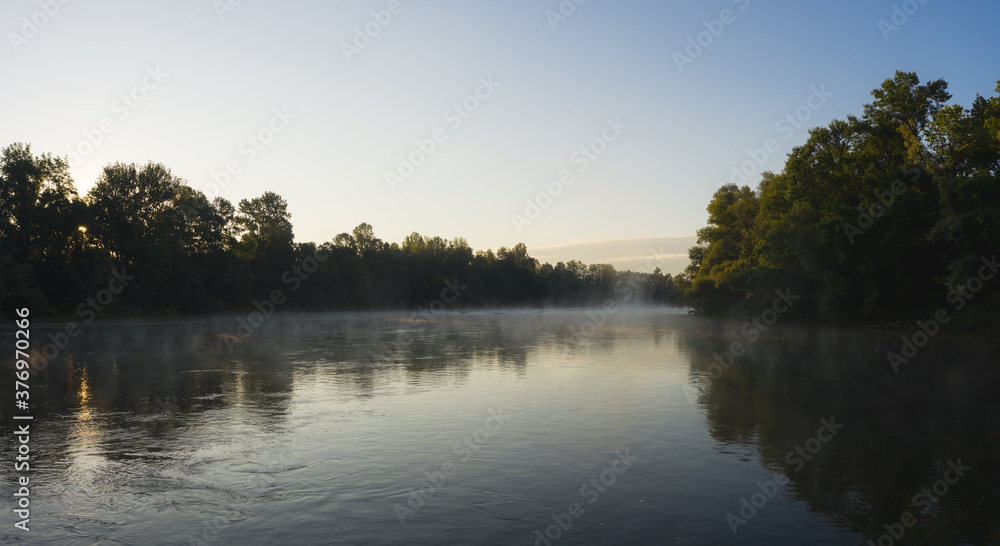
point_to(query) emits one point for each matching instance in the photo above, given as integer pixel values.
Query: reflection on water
(489, 428)
(84, 434)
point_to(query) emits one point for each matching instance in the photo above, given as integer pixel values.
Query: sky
(574, 126)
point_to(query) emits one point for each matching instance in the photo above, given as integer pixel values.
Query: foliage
(873, 219)
(189, 254)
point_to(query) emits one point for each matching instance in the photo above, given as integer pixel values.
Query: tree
(182, 252)
(861, 212)
(127, 203)
(266, 222)
(40, 217)
(367, 243)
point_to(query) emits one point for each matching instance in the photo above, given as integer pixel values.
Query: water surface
(497, 428)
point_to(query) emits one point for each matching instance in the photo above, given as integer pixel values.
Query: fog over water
(506, 427)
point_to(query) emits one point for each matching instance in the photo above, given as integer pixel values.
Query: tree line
(179, 252)
(888, 216)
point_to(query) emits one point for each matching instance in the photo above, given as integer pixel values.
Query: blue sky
(198, 86)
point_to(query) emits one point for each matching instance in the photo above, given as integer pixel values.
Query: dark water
(325, 429)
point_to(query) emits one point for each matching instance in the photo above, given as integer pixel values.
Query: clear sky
(188, 84)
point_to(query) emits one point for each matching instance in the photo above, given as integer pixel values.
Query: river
(523, 427)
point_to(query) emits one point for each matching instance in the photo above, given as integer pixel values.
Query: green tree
(128, 202)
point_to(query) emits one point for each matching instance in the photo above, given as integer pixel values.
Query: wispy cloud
(637, 254)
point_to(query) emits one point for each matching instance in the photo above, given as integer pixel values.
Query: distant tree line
(886, 217)
(890, 216)
(179, 252)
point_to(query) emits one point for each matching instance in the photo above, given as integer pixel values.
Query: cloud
(639, 254)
